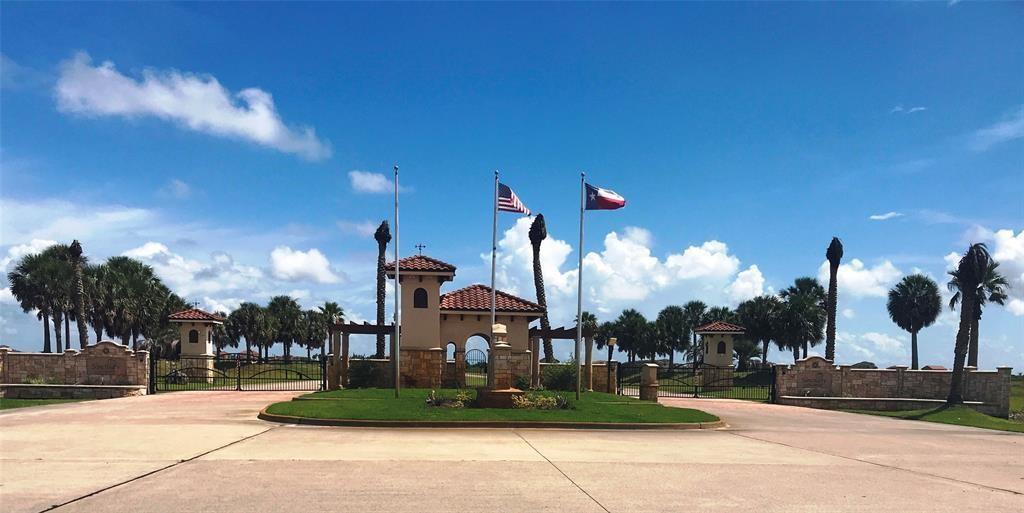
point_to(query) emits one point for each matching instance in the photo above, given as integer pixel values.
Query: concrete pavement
(206, 451)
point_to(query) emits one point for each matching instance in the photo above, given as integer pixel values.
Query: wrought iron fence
(209, 373)
(702, 381)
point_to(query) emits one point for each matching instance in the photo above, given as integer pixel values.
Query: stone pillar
(649, 382)
(1005, 385)
(900, 375)
(613, 378)
(334, 368)
(535, 363)
(437, 361)
(839, 389)
(501, 372)
(460, 368)
(588, 376)
(344, 360)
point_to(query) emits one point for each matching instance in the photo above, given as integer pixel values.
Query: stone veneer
(422, 368)
(816, 377)
(106, 364)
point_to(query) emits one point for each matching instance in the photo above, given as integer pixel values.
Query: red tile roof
(421, 263)
(478, 298)
(195, 314)
(719, 327)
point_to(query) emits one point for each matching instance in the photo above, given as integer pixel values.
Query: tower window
(193, 337)
(721, 348)
(419, 298)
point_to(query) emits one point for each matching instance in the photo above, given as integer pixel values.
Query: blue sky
(218, 143)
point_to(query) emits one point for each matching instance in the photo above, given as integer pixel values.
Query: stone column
(900, 376)
(649, 382)
(535, 362)
(502, 369)
(613, 378)
(334, 369)
(1003, 391)
(588, 376)
(460, 368)
(839, 389)
(344, 360)
(436, 365)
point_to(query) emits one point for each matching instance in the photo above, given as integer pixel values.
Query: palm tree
(992, 287)
(78, 261)
(633, 331)
(383, 237)
(673, 331)
(332, 314)
(758, 317)
(58, 269)
(138, 299)
(30, 283)
(539, 232)
(970, 275)
(248, 320)
(314, 331)
(808, 301)
(589, 326)
(99, 309)
(287, 315)
(834, 254)
(694, 313)
(914, 303)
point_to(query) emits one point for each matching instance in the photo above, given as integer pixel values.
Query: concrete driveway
(206, 451)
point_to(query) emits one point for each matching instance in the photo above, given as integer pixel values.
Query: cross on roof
(420, 247)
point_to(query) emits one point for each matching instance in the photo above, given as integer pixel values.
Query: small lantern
(612, 341)
(500, 333)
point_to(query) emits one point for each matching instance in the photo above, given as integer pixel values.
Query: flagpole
(396, 344)
(494, 293)
(579, 286)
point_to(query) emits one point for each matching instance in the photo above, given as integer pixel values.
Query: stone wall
(106, 363)
(422, 368)
(521, 361)
(817, 377)
(600, 377)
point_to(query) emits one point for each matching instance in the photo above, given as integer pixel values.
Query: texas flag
(603, 199)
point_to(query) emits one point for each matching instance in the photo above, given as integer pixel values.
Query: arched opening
(449, 351)
(477, 352)
(721, 348)
(193, 337)
(419, 298)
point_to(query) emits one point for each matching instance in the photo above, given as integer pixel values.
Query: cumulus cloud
(54, 219)
(371, 183)
(195, 101)
(296, 265)
(360, 228)
(225, 305)
(1008, 250)
(885, 217)
(871, 346)
(859, 280)
(14, 253)
(1011, 127)
(623, 273)
(188, 276)
(6, 296)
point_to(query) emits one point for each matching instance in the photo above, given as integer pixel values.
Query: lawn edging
(513, 424)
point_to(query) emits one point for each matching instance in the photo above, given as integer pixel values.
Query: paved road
(205, 451)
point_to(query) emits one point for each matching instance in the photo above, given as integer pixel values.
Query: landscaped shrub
(522, 383)
(363, 374)
(540, 402)
(560, 377)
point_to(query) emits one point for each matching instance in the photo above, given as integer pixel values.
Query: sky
(245, 150)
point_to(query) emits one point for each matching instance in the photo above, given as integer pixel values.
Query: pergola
(563, 333)
(339, 346)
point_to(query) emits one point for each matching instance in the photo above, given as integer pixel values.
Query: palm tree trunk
(538, 284)
(46, 334)
(972, 352)
(963, 336)
(99, 333)
(796, 354)
(833, 296)
(381, 277)
(67, 329)
(764, 351)
(806, 346)
(56, 332)
(913, 350)
(248, 356)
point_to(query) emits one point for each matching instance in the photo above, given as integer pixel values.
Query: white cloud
(295, 265)
(187, 276)
(226, 305)
(14, 253)
(748, 284)
(874, 346)
(899, 109)
(360, 228)
(6, 296)
(884, 217)
(1009, 128)
(849, 313)
(196, 101)
(373, 183)
(176, 189)
(861, 281)
(1008, 250)
(61, 220)
(884, 343)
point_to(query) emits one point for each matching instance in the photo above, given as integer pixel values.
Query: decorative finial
(420, 247)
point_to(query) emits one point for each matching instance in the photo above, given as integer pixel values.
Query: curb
(511, 424)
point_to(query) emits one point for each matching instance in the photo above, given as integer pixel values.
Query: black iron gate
(234, 373)
(702, 381)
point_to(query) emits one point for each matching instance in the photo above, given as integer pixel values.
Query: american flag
(509, 202)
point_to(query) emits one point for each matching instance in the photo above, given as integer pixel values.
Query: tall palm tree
(633, 332)
(834, 254)
(30, 283)
(914, 303)
(99, 310)
(383, 237)
(248, 319)
(758, 316)
(694, 312)
(332, 313)
(808, 298)
(78, 262)
(58, 268)
(992, 287)
(673, 332)
(970, 275)
(287, 316)
(539, 232)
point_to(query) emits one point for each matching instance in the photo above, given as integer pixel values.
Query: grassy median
(7, 404)
(380, 404)
(957, 415)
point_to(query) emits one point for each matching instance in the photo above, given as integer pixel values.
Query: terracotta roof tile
(478, 298)
(719, 327)
(194, 314)
(421, 263)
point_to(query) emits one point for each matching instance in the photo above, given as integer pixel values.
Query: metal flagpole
(396, 340)
(494, 293)
(579, 286)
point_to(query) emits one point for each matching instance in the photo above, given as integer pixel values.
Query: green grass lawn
(1017, 394)
(380, 404)
(959, 415)
(7, 404)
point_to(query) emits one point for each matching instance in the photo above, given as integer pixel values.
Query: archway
(477, 353)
